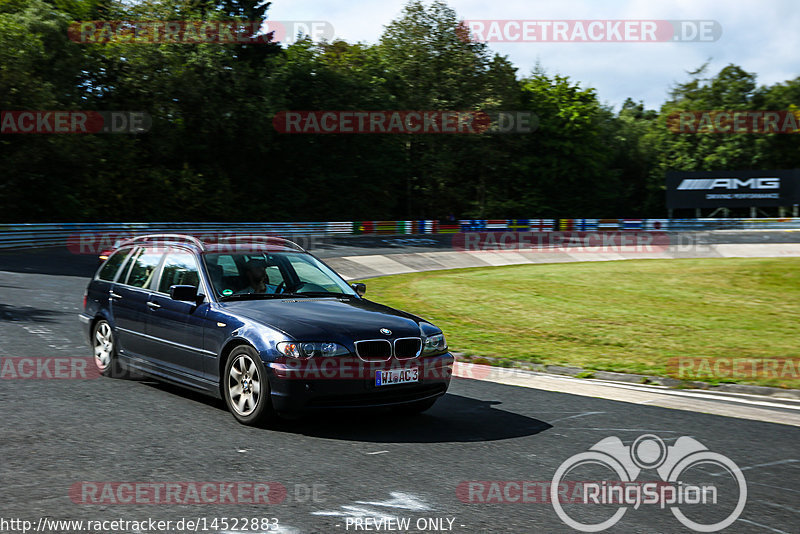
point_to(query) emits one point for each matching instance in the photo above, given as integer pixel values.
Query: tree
(213, 154)
(432, 64)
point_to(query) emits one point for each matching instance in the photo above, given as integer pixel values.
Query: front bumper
(338, 385)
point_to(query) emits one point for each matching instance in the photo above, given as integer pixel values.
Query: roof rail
(169, 237)
(263, 239)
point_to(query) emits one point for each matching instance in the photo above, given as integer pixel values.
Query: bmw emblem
(386, 331)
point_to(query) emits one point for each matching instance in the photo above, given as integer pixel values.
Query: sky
(758, 35)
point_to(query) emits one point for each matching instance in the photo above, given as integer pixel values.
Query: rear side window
(109, 269)
(180, 269)
(144, 268)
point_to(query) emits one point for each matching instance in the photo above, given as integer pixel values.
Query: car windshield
(251, 275)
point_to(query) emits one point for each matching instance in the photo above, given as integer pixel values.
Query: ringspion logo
(621, 492)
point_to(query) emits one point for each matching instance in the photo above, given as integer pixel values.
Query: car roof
(228, 243)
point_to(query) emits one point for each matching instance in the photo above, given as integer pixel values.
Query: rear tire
(245, 387)
(104, 347)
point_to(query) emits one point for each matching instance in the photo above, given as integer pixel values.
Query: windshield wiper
(317, 294)
(257, 296)
(251, 296)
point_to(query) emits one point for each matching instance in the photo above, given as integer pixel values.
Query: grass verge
(629, 316)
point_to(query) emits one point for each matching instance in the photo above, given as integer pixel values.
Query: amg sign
(735, 189)
(730, 183)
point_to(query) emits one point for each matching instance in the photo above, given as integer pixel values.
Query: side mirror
(359, 288)
(185, 293)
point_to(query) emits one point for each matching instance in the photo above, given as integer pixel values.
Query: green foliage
(212, 152)
(731, 89)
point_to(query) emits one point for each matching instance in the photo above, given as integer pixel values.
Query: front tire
(246, 387)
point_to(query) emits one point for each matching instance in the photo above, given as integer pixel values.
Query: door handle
(113, 295)
(154, 305)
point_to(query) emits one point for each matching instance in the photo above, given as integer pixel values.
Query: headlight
(435, 343)
(304, 350)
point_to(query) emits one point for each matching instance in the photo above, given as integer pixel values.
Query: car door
(100, 289)
(129, 297)
(175, 326)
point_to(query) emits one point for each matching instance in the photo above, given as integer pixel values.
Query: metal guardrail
(41, 235)
(56, 234)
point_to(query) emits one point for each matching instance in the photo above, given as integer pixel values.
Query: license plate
(396, 376)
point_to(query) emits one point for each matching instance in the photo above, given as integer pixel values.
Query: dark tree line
(213, 154)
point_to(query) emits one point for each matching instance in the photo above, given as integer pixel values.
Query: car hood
(341, 320)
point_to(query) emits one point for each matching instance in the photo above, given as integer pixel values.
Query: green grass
(626, 316)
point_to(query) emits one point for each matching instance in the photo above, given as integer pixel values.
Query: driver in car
(256, 274)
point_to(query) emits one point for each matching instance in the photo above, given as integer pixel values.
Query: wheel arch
(223, 358)
(100, 316)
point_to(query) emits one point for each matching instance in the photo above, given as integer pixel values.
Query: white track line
(778, 462)
(742, 406)
(763, 526)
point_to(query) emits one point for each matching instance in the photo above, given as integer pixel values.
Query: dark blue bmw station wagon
(262, 324)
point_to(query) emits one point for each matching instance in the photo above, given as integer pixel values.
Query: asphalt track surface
(57, 433)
